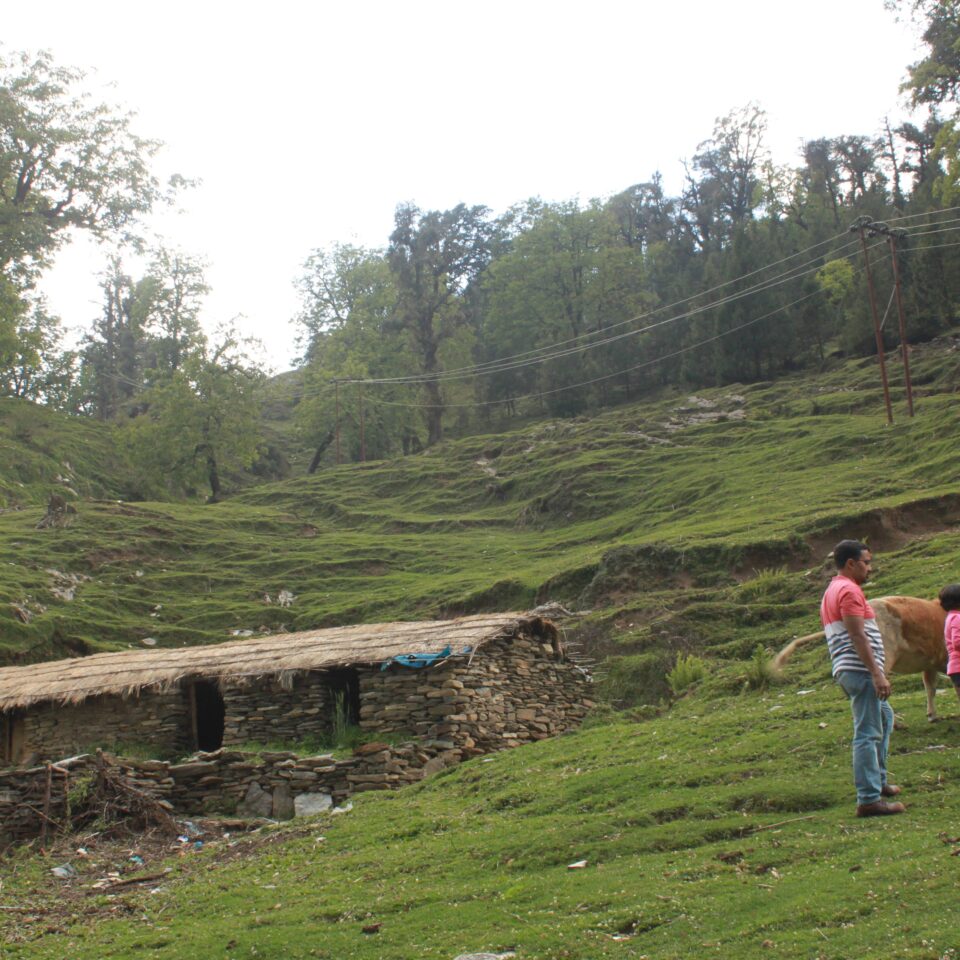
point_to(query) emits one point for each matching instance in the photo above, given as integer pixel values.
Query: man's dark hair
(950, 597)
(847, 550)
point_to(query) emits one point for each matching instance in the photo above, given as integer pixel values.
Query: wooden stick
(772, 826)
(46, 805)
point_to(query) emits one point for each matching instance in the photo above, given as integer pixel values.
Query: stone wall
(266, 711)
(160, 720)
(274, 785)
(513, 691)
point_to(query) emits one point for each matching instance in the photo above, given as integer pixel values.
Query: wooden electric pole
(860, 227)
(336, 387)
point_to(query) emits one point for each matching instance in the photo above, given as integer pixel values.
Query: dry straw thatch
(128, 672)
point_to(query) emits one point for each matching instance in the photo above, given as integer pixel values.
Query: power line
(607, 376)
(785, 277)
(539, 355)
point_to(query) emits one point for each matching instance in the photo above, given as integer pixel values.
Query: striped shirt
(844, 598)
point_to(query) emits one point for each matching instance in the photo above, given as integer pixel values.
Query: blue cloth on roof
(417, 661)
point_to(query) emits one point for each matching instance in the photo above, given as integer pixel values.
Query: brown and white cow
(912, 631)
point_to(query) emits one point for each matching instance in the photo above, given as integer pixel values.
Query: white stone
(309, 804)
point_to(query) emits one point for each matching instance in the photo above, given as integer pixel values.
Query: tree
(112, 357)
(32, 362)
(349, 332)
(174, 291)
(935, 81)
(433, 257)
(724, 187)
(201, 420)
(65, 162)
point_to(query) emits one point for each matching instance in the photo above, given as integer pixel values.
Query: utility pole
(894, 237)
(860, 227)
(336, 388)
(904, 348)
(363, 445)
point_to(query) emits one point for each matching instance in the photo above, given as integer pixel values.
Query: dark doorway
(11, 737)
(207, 715)
(344, 687)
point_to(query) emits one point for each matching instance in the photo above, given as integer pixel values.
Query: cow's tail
(787, 652)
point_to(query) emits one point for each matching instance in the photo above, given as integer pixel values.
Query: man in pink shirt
(856, 650)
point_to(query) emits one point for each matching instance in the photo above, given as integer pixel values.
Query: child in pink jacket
(950, 601)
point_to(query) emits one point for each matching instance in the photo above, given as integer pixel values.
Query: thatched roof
(129, 671)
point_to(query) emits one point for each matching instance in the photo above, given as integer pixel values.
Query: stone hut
(472, 684)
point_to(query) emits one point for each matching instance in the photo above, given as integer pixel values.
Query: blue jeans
(872, 723)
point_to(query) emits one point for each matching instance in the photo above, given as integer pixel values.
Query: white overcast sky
(308, 122)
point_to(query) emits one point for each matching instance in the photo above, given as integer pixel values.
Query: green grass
(721, 825)
(703, 536)
(712, 830)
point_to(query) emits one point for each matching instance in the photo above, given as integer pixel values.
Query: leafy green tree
(199, 421)
(113, 352)
(434, 256)
(33, 364)
(173, 293)
(349, 333)
(724, 186)
(65, 162)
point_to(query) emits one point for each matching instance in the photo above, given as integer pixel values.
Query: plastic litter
(137, 859)
(65, 871)
(578, 865)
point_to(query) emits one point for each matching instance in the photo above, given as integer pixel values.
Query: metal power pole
(860, 227)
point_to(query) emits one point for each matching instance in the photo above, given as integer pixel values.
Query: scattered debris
(285, 598)
(64, 586)
(66, 871)
(578, 865)
(149, 641)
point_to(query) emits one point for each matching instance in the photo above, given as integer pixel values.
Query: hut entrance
(344, 687)
(11, 737)
(207, 714)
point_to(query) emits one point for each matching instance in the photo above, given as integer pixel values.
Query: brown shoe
(889, 790)
(879, 808)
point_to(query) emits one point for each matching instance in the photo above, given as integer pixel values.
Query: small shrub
(770, 583)
(341, 719)
(760, 672)
(688, 670)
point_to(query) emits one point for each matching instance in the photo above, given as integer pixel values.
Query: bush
(760, 672)
(688, 670)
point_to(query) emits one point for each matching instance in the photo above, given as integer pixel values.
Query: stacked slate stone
(265, 711)
(161, 719)
(513, 691)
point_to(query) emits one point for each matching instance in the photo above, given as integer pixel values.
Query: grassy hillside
(719, 826)
(723, 828)
(43, 452)
(658, 517)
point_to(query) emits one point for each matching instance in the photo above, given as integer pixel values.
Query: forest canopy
(467, 317)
